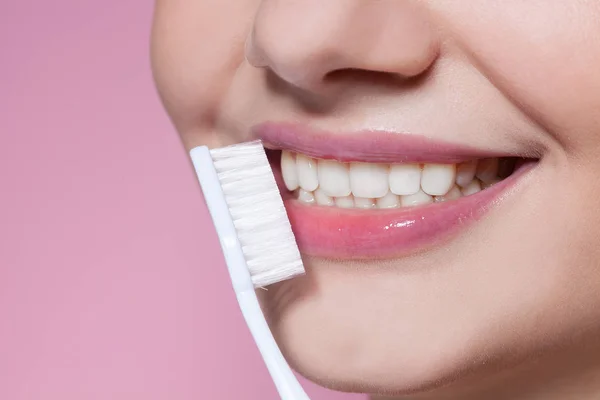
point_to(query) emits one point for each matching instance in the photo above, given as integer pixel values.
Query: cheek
(196, 48)
(544, 56)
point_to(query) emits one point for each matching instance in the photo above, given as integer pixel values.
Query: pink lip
(367, 146)
(331, 232)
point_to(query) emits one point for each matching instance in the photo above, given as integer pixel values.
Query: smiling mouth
(382, 195)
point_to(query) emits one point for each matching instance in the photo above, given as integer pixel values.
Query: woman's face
(419, 295)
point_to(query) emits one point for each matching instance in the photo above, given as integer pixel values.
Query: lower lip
(336, 233)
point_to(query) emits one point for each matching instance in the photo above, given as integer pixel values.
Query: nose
(304, 41)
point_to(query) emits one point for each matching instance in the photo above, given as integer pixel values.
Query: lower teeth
(390, 201)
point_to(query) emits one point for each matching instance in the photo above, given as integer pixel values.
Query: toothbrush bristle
(258, 213)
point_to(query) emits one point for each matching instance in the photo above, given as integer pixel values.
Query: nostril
(378, 78)
(355, 74)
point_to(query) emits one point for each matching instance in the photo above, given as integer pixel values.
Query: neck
(568, 375)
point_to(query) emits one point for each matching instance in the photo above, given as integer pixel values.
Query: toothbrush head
(257, 212)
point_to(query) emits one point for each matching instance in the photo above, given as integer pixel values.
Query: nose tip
(303, 42)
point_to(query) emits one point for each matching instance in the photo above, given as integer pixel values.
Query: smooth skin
(510, 308)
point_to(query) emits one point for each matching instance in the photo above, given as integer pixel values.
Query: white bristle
(258, 214)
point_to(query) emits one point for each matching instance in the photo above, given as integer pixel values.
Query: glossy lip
(367, 146)
(336, 233)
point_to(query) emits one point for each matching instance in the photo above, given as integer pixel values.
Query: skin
(509, 309)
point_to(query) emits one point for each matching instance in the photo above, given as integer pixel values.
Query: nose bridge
(303, 41)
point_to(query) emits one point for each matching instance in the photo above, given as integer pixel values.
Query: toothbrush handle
(287, 385)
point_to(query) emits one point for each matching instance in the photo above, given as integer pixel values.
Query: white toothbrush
(256, 238)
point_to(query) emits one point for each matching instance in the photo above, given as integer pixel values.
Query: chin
(351, 334)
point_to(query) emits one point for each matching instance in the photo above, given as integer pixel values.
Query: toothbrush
(256, 238)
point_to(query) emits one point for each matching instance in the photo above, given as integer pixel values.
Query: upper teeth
(368, 185)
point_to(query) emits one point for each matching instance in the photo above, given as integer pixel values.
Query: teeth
(390, 200)
(322, 199)
(369, 180)
(307, 172)
(334, 178)
(453, 194)
(438, 179)
(345, 202)
(306, 197)
(472, 188)
(465, 172)
(361, 202)
(416, 199)
(289, 171)
(405, 179)
(487, 170)
(366, 186)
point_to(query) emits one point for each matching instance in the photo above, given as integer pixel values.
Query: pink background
(110, 284)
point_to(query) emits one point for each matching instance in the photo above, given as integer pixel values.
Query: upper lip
(366, 146)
